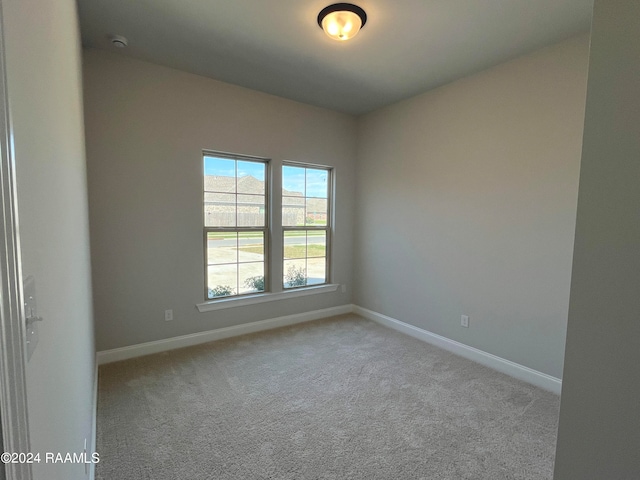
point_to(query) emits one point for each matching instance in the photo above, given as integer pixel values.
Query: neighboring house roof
(249, 184)
(246, 184)
(217, 183)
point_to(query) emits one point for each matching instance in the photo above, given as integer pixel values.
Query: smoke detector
(118, 41)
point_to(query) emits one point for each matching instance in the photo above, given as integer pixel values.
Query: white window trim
(239, 301)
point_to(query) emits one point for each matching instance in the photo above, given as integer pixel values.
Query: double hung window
(237, 226)
(305, 225)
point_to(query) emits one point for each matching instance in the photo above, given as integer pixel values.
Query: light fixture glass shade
(341, 25)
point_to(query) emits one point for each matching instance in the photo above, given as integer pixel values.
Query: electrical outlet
(168, 315)
(464, 321)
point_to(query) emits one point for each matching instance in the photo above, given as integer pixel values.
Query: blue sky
(226, 167)
(297, 178)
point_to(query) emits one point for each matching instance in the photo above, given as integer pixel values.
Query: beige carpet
(341, 398)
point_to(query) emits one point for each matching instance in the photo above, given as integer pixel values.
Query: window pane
(219, 184)
(295, 245)
(317, 184)
(222, 280)
(293, 179)
(305, 203)
(251, 277)
(293, 211)
(219, 210)
(317, 271)
(251, 177)
(316, 244)
(295, 274)
(316, 211)
(251, 247)
(251, 210)
(219, 175)
(235, 198)
(221, 248)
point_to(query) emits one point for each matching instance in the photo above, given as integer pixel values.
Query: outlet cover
(464, 321)
(168, 315)
(31, 315)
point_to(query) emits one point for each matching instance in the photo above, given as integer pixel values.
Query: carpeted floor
(341, 398)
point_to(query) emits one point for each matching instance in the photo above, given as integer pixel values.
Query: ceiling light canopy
(342, 21)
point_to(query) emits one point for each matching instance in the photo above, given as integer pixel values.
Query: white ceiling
(276, 46)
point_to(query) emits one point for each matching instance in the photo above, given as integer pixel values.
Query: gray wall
(2, 470)
(44, 85)
(599, 433)
(466, 203)
(146, 126)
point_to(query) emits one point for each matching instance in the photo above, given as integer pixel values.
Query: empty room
(310, 240)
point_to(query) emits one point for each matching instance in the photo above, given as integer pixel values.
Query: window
(305, 224)
(236, 198)
(237, 229)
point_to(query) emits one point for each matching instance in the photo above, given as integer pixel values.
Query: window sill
(265, 297)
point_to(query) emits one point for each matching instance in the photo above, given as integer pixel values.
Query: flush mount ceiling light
(342, 21)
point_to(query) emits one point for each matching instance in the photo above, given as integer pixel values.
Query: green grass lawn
(228, 236)
(290, 251)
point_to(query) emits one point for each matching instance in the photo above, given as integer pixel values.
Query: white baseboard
(507, 367)
(124, 353)
(94, 424)
(502, 365)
